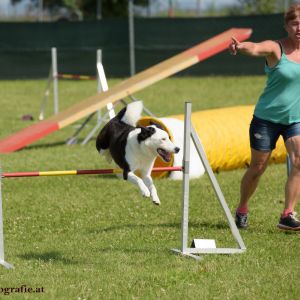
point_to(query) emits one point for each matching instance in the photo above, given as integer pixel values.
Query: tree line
(119, 8)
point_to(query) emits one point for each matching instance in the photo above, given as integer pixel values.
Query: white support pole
(55, 79)
(186, 183)
(102, 84)
(186, 178)
(2, 260)
(131, 37)
(41, 11)
(46, 95)
(189, 132)
(99, 9)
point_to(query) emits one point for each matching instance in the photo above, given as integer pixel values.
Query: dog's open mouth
(166, 156)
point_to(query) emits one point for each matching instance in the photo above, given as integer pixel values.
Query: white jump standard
(2, 260)
(189, 131)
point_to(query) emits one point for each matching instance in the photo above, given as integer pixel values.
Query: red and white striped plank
(135, 83)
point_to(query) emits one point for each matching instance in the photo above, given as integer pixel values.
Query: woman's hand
(234, 46)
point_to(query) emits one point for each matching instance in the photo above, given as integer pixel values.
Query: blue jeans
(264, 134)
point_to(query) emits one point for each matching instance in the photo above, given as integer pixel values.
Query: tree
(110, 8)
(46, 3)
(259, 6)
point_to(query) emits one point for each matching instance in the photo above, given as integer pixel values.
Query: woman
(276, 113)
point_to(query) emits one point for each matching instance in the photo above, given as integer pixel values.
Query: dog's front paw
(155, 200)
(145, 192)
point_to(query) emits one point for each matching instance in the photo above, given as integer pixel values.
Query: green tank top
(280, 100)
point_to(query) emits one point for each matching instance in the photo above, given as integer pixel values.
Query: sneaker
(241, 220)
(289, 223)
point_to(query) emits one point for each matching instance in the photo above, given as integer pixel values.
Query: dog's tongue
(167, 156)
(164, 154)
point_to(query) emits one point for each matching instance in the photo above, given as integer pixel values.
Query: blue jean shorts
(264, 134)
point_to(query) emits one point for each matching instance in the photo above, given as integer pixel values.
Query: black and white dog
(135, 148)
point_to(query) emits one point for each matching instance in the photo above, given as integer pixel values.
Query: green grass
(92, 237)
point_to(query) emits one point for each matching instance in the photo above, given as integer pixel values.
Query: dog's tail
(133, 112)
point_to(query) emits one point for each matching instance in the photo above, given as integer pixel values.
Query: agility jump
(54, 75)
(189, 132)
(135, 83)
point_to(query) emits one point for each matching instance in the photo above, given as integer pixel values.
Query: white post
(186, 177)
(189, 132)
(55, 79)
(198, 8)
(41, 11)
(102, 84)
(131, 37)
(99, 9)
(2, 261)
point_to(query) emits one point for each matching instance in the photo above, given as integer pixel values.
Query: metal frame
(46, 96)
(189, 132)
(2, 260)
(55, 79)
(102, 86)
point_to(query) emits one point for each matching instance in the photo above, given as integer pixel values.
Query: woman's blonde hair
(292, 13)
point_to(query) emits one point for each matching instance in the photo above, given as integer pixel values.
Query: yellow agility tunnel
(224, 133)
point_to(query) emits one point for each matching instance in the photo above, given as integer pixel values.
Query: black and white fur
(135, 148)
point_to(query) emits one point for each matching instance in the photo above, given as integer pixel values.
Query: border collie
(135, 148)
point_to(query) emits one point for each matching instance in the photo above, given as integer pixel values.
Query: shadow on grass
(280, 232)
(42, 146)
(55, 144)
(194, 225)
(126, 250)
(52, 256)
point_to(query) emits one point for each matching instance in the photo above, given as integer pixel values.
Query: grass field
(92, 237)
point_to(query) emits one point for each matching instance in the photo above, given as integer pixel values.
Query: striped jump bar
(76, 77)
(80, 172)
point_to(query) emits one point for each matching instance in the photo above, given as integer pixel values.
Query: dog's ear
(159, 126)
(156, 124)
(145, 133)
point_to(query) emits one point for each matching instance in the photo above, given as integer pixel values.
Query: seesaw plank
(135, 83)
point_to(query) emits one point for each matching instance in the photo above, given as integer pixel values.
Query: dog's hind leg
(149, 183)
(139, 182)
